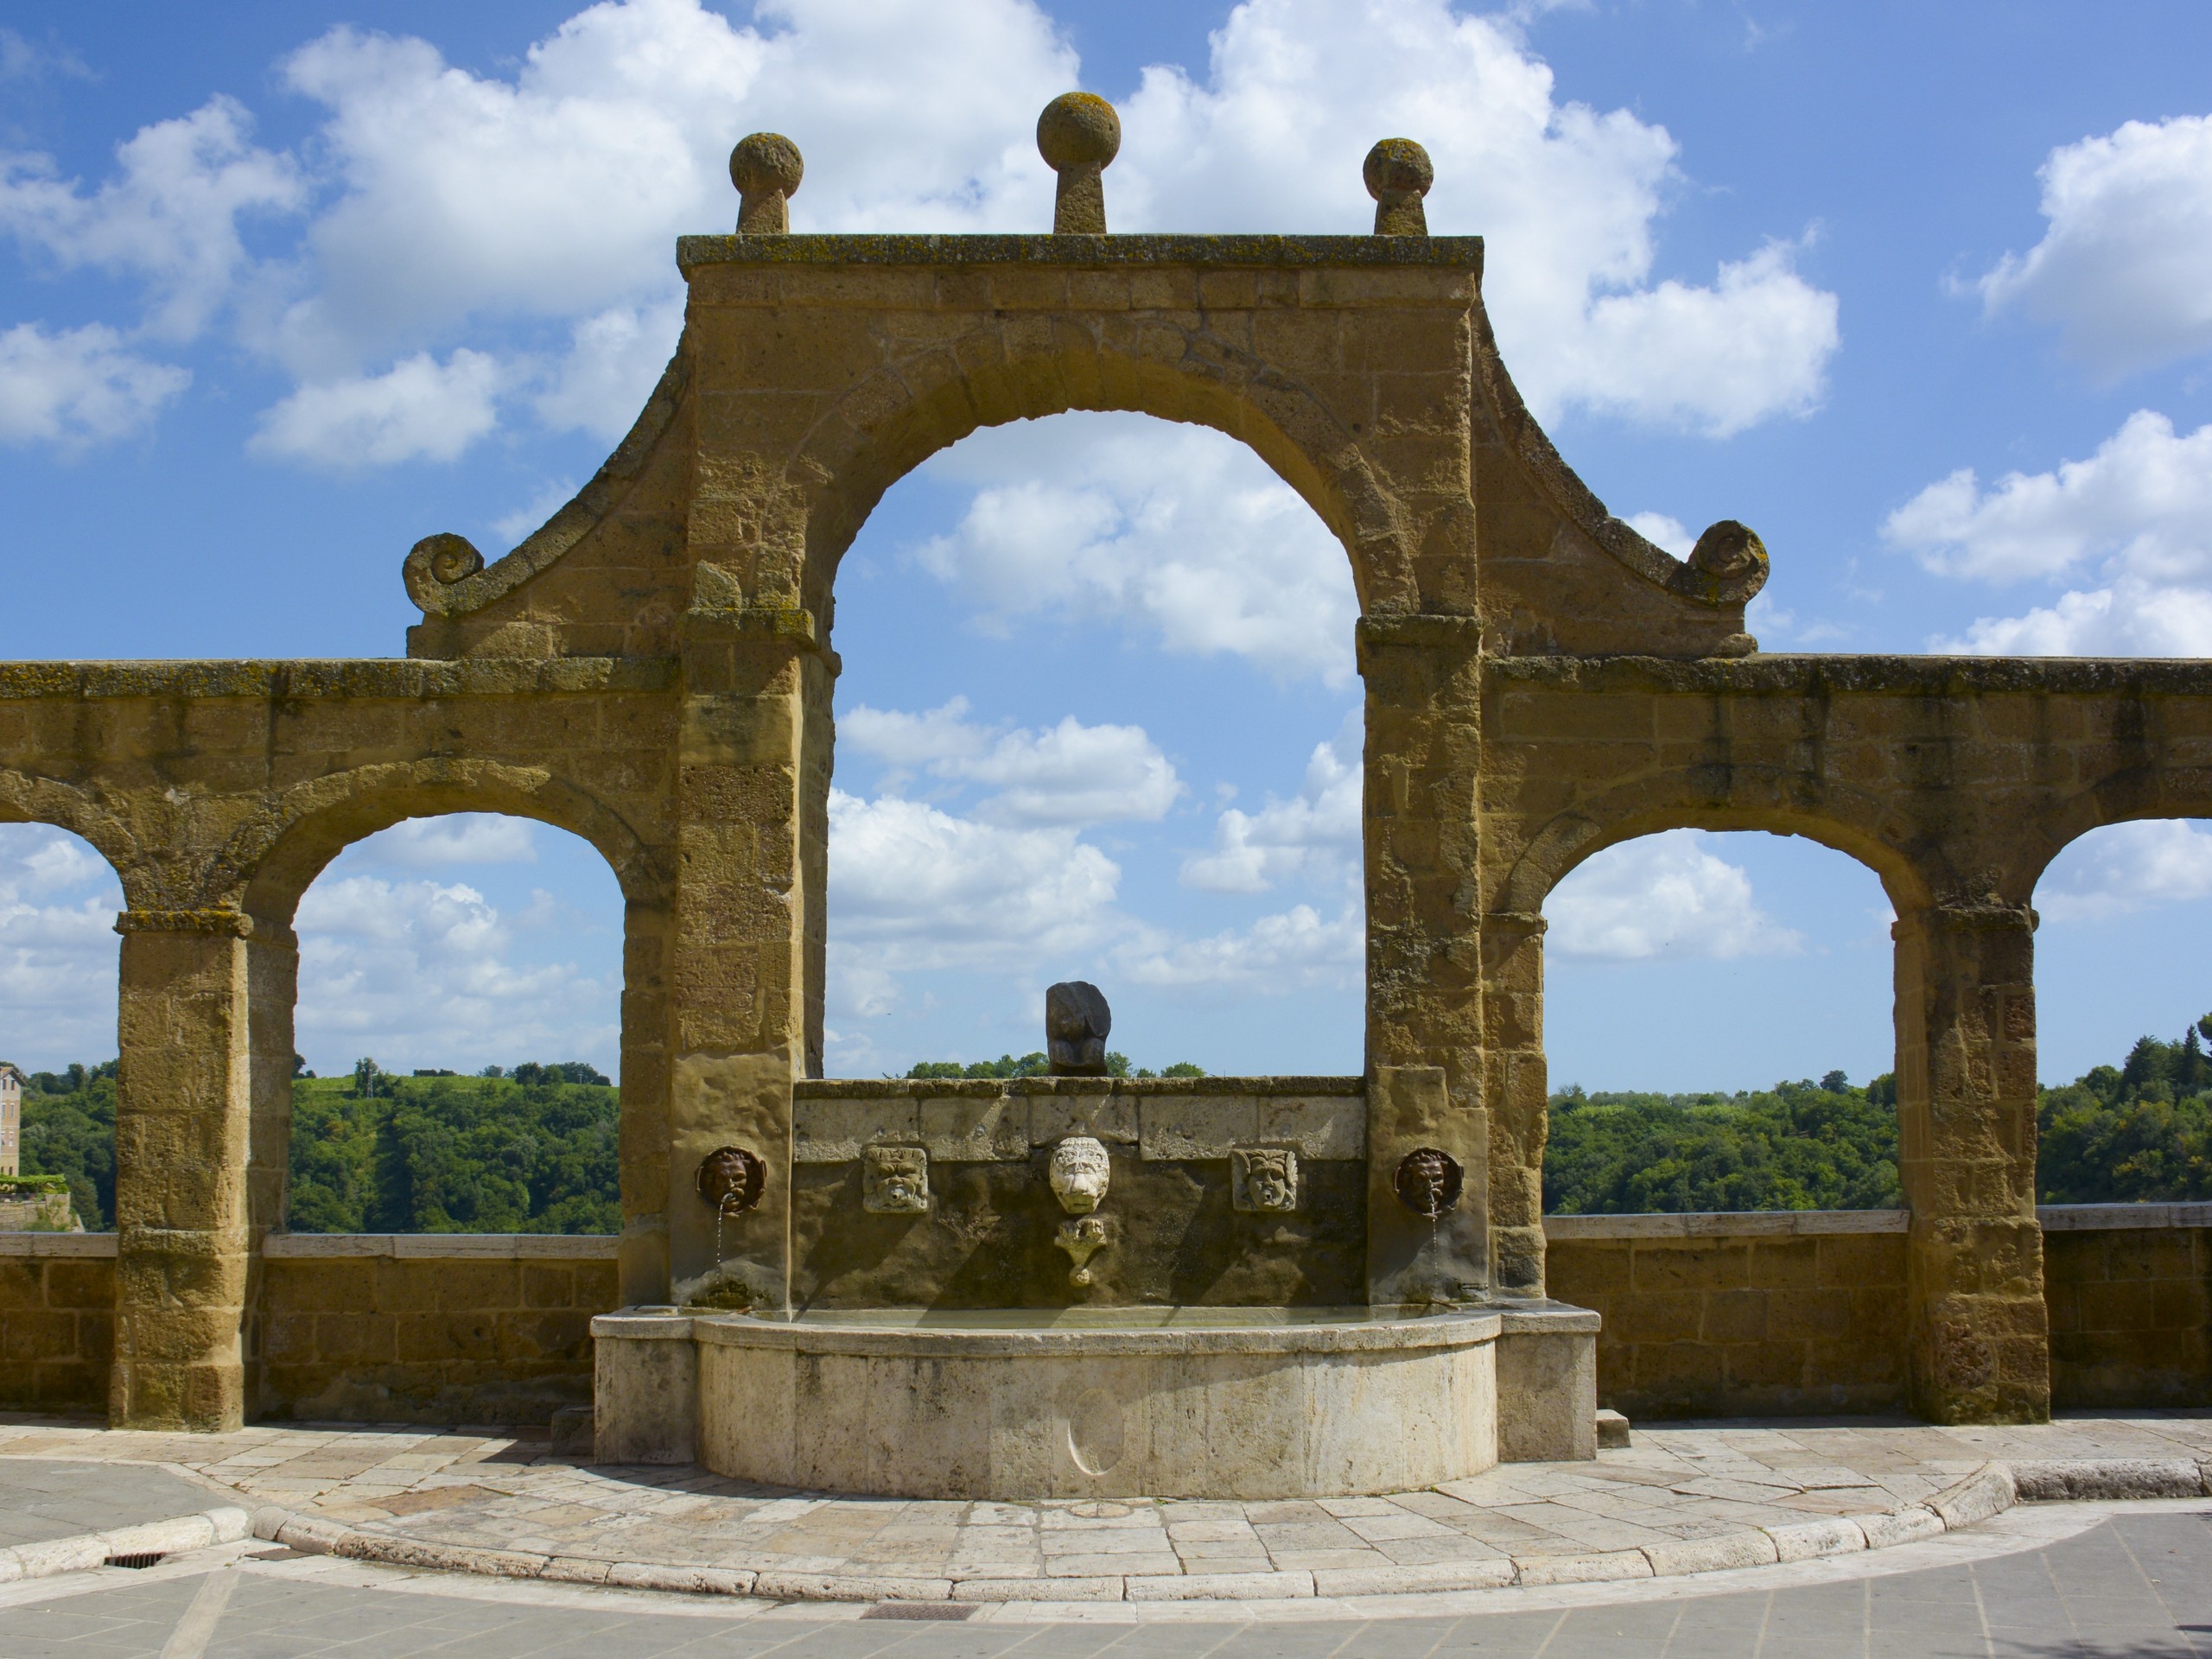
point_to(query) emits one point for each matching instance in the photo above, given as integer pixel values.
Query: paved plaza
(2042, 1580)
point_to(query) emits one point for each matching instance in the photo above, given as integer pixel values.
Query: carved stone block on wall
(894, 1181)
(1263, 1178)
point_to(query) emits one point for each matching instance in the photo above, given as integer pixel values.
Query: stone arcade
(652, 670)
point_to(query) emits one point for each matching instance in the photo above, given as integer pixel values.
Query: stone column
(1424, 969)
(182, 1147)
(1966, 1017)
(1519, 1094)
(272, 954)
(744, 1024)
(642, 1267)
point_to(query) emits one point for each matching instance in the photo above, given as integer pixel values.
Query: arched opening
(57, 960)
(1098, 719)
(2125, 1105)
(458, 1033)
(1718, 1028)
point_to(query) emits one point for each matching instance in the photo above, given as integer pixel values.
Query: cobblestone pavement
(1680, 1499)
(2067, 1583)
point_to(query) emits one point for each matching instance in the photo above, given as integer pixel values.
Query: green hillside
(534, 1150)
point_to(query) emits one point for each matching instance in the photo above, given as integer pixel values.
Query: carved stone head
(1429, 1181)
(1079, 1172)
(894, 1181)
(731, 1179)
(1076, 1020)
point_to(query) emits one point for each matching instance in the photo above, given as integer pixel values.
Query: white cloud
(1070, 773)
(1315, 835)
(2140, 509)
(428, 973)
(418, 410)
(453, 838)
(170, 215)
(2124, 270)
(2125, 868)
(79, 386)
(442, 207)
(912, 887)
(1662, 895)
(1564, 198)
(1297, 950)
(1662, 530)
(1180, 530)
(1714, 359)
(58, 947)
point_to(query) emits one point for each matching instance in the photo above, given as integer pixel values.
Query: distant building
(11, 1120)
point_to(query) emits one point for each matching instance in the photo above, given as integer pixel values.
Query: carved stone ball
(765, 164)
(731, 1179)
(1079, 130)
(1079, 1172)
(1397, 167)
(1727, 550)
(1427, 1181)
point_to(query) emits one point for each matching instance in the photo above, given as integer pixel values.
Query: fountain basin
(1021, 1404)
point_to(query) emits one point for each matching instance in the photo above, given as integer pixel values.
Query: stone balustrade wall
(1751, 1314)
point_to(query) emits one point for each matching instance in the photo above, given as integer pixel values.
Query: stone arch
(893, 421)
(26, 799)
(274, 859)
(1858, 825)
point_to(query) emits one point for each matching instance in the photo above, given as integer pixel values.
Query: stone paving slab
(1680, 1499)
(70, 1517)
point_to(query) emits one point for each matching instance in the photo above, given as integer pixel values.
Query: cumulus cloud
(78, 386)
(1662, 895)
(1070, 773)
(453, 838)
(440, 208)
(2125, 269)
(428, 973)
(1313, 835)
(170, 215)
(1297, 950)
(418, 410)
(912, 885)
(58, 946)
(2127, 867)
(2140, 510)
(1179, 531)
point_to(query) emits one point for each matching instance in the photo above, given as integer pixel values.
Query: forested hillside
(533, 1150)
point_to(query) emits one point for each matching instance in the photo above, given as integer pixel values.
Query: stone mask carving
(1079, 1172)
(731, 1179)
(894, 1181)
(1076, 1020)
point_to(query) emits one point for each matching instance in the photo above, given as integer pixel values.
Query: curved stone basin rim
(1074, 1333)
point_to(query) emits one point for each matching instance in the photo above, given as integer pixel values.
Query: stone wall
(1768, 1315)
(430, 1328)
(2130, 1291)
(1790, 1312)
(1179, 1232)
(57, 1320)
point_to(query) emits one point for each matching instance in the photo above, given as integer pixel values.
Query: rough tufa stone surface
(1079, 135)
(1398, 174)
(766, 168)
(1077, 1024)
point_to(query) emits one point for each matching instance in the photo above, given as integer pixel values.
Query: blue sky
(1924, 294)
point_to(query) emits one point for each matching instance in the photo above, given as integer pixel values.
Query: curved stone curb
(1990, 1490)
(50, 1557)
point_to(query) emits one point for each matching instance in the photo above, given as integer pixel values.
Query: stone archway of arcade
(219, 791)
(1956, 782)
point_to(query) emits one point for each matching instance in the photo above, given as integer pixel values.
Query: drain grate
(921, 1610)
(149, 1558)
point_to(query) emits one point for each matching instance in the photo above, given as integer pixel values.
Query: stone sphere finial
(765, 166)
(1079, 135)
(1398, 174)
